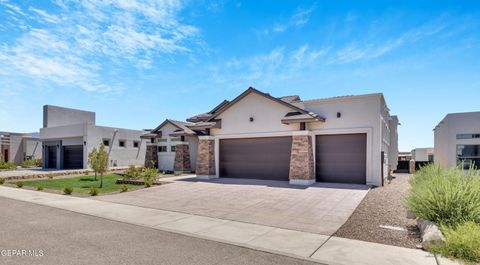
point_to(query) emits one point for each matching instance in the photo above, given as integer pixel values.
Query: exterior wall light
(251, 119)
(339, 115)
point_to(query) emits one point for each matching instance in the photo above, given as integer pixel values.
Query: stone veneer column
(182, 158)
(151, 155)
(206, 158)
(301, 160)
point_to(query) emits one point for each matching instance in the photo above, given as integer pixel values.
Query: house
(423, 154)
(174, 146)
(404, 156)
(457, 139)
(69, 135)
(258, 136)
(17, 147)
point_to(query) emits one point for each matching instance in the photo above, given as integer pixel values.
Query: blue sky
(136, 62)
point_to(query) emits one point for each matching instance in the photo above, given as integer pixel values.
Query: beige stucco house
(457, 140)
(343, 139)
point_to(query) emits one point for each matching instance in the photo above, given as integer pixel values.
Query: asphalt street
(54, 236)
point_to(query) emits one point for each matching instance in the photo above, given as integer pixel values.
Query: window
(469, 155)
(175, 139)
(173, 148)
(430, 158)
(162, 140)
(136, 144)
(106, 142)
(468, 136)
(121, 143)
(162, 149)
(152, 140)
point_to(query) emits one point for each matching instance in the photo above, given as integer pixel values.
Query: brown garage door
(341, 158)
(256, 158)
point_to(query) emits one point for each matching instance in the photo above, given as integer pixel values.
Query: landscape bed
(82, 184)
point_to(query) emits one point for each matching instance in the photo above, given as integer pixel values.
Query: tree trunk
(101, 181)
(95, 176)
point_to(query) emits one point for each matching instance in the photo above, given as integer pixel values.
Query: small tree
(99, 162)
(92, 160)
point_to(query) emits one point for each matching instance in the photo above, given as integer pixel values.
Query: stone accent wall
(151, 155)
(206, 157)
(182, 158)
(301, 159)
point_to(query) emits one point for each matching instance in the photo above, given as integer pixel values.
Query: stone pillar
(151, 155)
(301, 160)
(206, 158)
(182, 158)
(411, 167)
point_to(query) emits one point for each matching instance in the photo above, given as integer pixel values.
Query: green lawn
(81, 184)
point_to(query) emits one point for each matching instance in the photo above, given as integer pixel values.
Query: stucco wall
(33, 148)
(445, 143)
(266, 114)
(54, 116)
(121, 156)
(421, 154)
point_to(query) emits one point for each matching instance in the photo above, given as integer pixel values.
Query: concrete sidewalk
(302, 245)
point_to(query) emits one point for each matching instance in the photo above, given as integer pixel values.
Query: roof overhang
(151, 135)
(296, 117)
(206, 125)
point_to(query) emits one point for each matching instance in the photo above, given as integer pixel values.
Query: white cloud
(44, 15)
(267, 68)
(80, 40)
(299, 18)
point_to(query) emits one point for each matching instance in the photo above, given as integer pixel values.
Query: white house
(68, 135)
(350, 139)
(423, 154)
(457, 139)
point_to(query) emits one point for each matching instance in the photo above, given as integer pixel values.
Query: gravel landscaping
(383, 206)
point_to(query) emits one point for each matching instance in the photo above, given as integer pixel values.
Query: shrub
(462, 242)
(177, 173)
(150, 173)
(86, 172)
(19, 184)
(39, 188)
(7, 165)
(68, 190)
(124, 188)
(50, 175)
(31, 163)
(445, 196)
(148, 182)
(2, 181)
(133, 172)
(94, 191)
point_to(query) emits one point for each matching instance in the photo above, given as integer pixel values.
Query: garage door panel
(341, 158)
(255, 158)
(73, 157)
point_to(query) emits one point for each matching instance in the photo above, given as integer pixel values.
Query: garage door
(73, 157)
(341, 158)
(255, 158)
(52, 156)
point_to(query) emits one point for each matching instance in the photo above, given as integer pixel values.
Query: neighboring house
(423, 154)
(17, 147)
(457, 139)
(69, 135)
(174, 147)
(344, 139)
(404, 156)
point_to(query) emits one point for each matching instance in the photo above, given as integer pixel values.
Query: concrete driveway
(321, 208)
